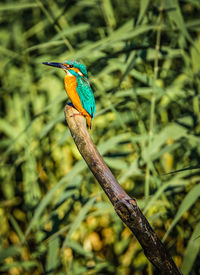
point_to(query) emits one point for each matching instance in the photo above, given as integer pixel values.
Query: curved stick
(125, 206)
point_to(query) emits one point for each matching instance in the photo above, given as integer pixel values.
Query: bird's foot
(79, 114)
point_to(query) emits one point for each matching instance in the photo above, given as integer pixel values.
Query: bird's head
(70, 67)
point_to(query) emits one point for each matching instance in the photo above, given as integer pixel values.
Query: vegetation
(143, 59)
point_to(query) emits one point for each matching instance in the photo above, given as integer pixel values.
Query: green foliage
(143, 61)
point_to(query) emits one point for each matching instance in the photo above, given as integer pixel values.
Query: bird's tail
(89, 121)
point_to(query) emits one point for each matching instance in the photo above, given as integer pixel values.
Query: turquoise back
(85, 92)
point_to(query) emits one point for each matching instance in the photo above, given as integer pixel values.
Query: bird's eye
(70, 66)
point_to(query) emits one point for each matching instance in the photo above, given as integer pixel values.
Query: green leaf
(48, 127)
(111, 143)
(173, 130)
(192, 251)
(176, 16)
(186, 204)
(143, 8)
(17, 6)
(81, 216)
(38, 212)
(52, 255)
(27, 265)
(115, 163)
(9, 252)
(78, 248)
(17, 228)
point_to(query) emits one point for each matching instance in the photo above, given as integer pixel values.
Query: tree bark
(125, 206)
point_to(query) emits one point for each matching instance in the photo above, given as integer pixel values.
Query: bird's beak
(54, 64)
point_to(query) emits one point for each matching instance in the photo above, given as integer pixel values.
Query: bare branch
(125, 206)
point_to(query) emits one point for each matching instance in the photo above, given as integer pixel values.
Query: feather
(85, 93)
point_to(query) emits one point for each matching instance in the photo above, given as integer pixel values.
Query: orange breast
(70, 87)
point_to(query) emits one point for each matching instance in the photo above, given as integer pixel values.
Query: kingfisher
(78, 88)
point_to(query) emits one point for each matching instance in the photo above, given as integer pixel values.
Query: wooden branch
(125, 206)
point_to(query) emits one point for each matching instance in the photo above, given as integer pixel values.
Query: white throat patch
(68, 73)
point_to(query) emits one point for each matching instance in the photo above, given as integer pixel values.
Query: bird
(78, 88)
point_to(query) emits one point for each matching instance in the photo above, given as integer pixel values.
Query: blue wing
(86, 95)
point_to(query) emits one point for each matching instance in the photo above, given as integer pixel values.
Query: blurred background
(143, 61)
